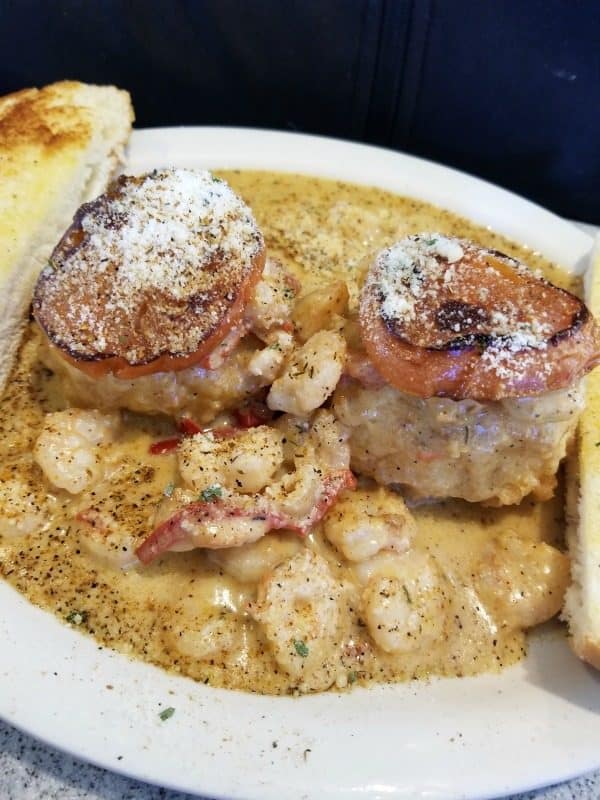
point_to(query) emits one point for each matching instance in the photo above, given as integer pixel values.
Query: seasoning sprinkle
(77, 617)
(211, 493)
(301, 648)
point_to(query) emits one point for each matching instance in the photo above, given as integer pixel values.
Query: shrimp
(267, 316)
(251, 562)
(24, 506)
(113, 516)
(206, 639)
(271, 305)
(244, 463)
(107, 543)
(300, 607)
(322, 309)
(310, 376)
(367, 521)
(522, 581)
(69, 448)
(407, 611)
(268, 362)
(205, 623)
(312, 473)
(321, 457)
(212, 525)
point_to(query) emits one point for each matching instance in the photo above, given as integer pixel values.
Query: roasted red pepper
(165, 446)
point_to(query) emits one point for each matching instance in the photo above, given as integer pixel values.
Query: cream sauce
(321, 230)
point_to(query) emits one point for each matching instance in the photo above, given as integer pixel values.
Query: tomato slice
(151, 276)
(446, 317)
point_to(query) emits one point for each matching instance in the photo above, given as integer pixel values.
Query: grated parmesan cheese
(427, 289)
(159, 262)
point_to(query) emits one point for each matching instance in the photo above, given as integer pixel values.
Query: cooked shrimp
(251, 562)
(69, 448)
(216, 635)
(310, 376)
(321, 456)
(321, 309)
(385, 563)
(116, 512)
(367, 521)
(205, 623)
(300, 607)
(522, 581)
(314, 471)
(244, 463)
(268, 362)
(270, 306)
(212, 525)
(407, 611)
(24, 507)
(106, 542)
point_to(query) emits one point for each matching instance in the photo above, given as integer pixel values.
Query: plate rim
(102, 662)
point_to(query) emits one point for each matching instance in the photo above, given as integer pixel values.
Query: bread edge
(113, 118)
(581, 608)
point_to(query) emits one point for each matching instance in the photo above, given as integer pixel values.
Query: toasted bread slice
(582, 602)
(58, 148)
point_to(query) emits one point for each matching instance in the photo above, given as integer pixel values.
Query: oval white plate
(534, 724)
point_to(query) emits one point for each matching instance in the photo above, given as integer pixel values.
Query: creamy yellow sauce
(321, 230)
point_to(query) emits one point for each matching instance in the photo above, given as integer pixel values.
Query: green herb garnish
(169, 489)
(430, 242)
(211, 493)
(167, 713)
(301, 648)
(352, 676)
(77, 617)
(406, 592)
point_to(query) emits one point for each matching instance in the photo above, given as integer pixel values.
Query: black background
(506, 89)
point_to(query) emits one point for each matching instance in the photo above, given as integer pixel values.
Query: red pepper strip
(188, 426)
(187, 526)
(252, 415)
(165, 446)
(332, 485)
(193, 522)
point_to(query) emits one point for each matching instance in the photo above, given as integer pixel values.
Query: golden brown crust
(150, 276)
(44, 118)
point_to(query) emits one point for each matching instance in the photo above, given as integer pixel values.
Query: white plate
(534, 724)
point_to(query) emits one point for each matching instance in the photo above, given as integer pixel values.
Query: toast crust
(58, 146)
(582, 601)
